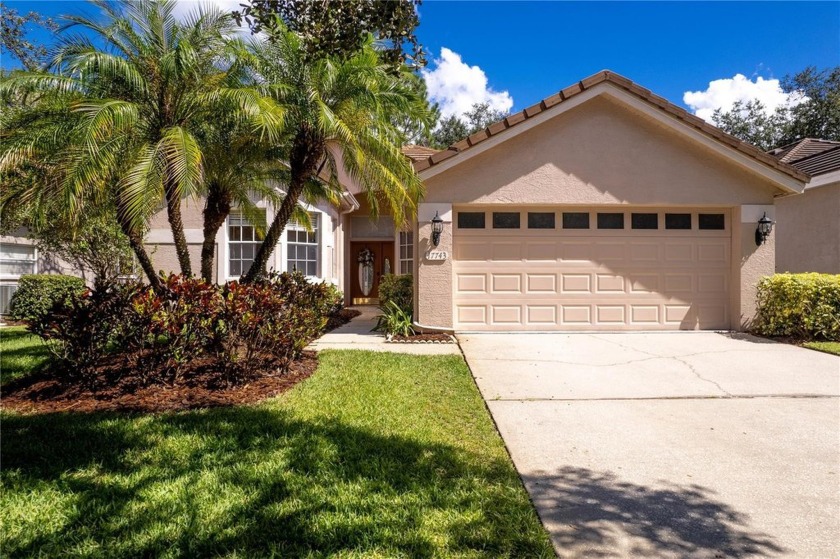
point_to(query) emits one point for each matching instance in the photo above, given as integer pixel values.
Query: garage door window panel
(540, 220)
(575, 220)
(644, 221)
(610, 221)
(506, 220)
(711, 222)
(678, 221)
(471, 220)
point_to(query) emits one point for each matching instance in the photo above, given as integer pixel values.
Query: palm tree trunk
(135, 241)
(173, 213)
(306, 153)
(215, 213)
(278, 224)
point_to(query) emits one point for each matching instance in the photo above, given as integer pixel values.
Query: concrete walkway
(358, 334)
(670, 445)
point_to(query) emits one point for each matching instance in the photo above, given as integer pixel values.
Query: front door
(383, 261)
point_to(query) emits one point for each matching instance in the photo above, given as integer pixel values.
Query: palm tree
(141, 99)
(339, 115)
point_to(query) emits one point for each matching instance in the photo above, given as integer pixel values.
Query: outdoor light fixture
(763, 230)
(437, 229)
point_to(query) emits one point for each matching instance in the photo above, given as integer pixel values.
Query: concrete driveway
(670, 444)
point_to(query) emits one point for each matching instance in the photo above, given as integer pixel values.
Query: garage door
(591, 269)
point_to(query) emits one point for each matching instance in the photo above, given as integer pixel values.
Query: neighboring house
(603, 207)
(808, 226)
(19, 256)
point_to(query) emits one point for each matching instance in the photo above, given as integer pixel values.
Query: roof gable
(787, 177)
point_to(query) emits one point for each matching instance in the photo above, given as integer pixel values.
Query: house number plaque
(437, 255)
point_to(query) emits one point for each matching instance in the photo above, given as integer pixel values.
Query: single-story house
(808, 226)
(602, 207)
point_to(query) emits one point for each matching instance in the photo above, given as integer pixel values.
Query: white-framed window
(17, 260)
(243, 242)
(303, 247)
(406, 252)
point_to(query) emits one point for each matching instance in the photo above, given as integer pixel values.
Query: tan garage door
(591, 269)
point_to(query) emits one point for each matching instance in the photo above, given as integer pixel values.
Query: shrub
(800, 305)
(394, 320)
(179, 324)
(37, 294)
(82, 329)
(236, 328)
(397, 289)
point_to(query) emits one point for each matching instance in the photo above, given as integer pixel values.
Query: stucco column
(433, 283)
(756, 262)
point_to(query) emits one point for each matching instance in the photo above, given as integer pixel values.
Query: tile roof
(631, 87)
(801, 149)
(821, 162)
(417, 153)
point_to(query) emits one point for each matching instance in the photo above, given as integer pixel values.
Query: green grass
(20, 353)
(376, 455)
(827, 347)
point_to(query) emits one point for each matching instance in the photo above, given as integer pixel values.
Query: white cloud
(185, 7)
(456, 86)
(723, 93)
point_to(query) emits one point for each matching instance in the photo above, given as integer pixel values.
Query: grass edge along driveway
(376, 455)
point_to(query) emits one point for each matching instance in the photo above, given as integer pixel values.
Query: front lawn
(827, 347)
(376, 455)
(22, 353)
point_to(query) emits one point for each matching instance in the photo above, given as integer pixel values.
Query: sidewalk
(358, 334)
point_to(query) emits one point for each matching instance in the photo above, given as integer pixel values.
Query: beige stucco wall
(165, 258)
(808, 231)
(599, 153)
(191, 215)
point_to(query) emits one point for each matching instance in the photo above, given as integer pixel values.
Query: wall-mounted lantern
(437, 229)
(763, 230)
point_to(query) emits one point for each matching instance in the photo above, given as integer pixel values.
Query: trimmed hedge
(398, 289)
(37, 294)
(799, 305)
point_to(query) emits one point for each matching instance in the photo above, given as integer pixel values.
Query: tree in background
(338, 28)
(454, 129)
(13, 31)
(94, 243)
(817, 116)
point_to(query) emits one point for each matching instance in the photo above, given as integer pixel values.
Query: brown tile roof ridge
(415, 151)
(821, 162)
(628, 85)
(802, 148)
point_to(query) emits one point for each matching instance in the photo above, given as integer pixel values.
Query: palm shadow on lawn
(593, 514)
(250, 481)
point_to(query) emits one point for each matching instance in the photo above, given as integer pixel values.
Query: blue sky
(532, 49)
(513, 54)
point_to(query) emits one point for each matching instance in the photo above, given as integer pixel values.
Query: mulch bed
(118, 387)
(201, 387)
(433, 338)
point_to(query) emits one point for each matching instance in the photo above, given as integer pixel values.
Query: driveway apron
(669, 444)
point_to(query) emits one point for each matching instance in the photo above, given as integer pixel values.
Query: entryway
(382, 253)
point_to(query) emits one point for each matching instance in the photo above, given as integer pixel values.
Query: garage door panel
(612, 315)
(506, 314)
(609, 283)
(542, 315)
(576, 315)
(644, 315)
(471, 283)
(506, 251)
(545, 284)
(507, 283)
(591, 280)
